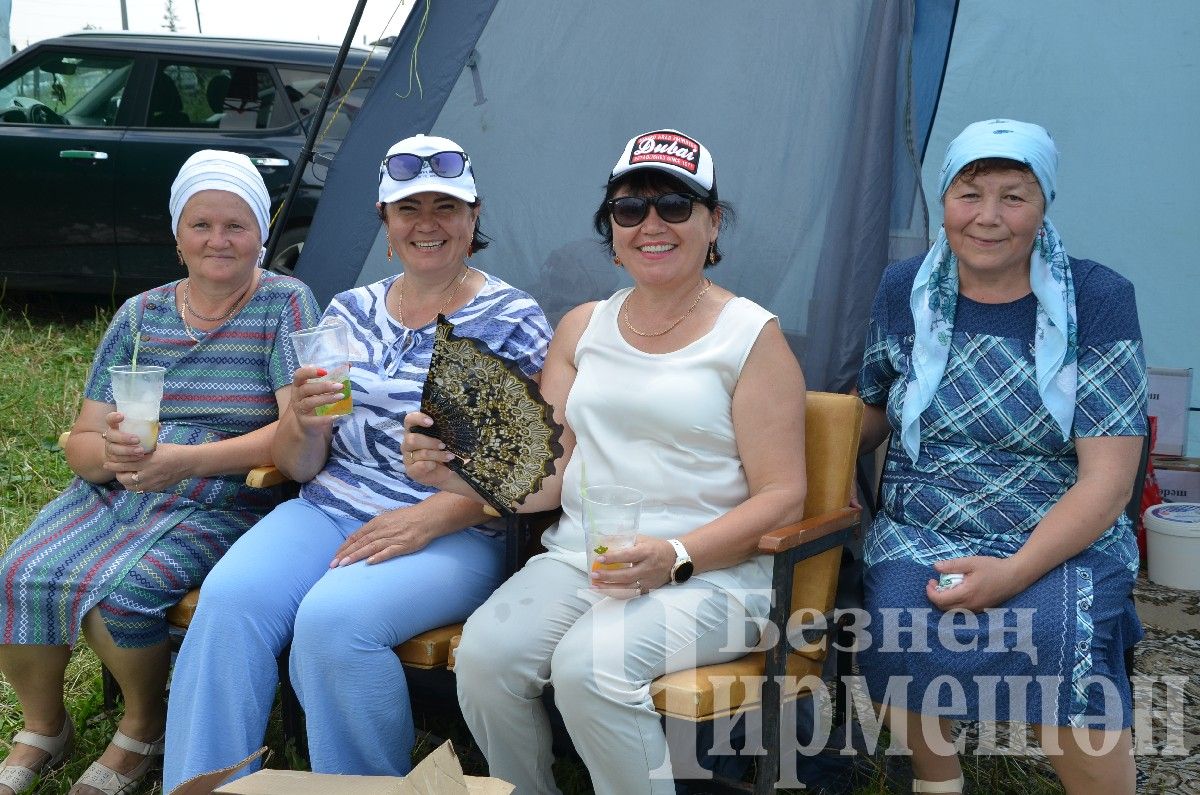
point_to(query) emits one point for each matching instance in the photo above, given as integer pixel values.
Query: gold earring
(616, 260)
(389, 251)
(712, 253)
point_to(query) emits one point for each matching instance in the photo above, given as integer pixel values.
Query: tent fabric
(804, 105)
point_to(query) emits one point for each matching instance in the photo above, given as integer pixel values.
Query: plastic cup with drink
(610, 522)
(327, 346)
(138, 391)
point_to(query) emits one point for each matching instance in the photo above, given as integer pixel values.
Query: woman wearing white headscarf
(1001, 565)
(134, 531)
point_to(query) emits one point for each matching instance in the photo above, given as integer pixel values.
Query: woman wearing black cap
(688, 393)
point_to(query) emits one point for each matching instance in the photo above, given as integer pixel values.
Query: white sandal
(20, 779)
(953, 785)
(109, 781)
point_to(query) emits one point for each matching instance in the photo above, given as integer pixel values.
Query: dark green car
(94, 126)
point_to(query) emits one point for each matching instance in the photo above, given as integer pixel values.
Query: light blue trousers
(275, 587)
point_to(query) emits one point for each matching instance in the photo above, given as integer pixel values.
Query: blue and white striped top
(364, 475)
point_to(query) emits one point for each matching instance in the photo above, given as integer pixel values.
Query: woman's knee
(487, 656)
(582, 670)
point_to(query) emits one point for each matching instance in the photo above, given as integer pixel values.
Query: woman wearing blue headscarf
(1001, 564)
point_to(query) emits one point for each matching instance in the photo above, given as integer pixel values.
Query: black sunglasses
(674, 208)
(403, 166)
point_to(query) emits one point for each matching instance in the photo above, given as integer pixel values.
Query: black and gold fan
(491, 416)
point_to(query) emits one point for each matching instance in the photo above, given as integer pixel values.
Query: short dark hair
(986, 165)
(479, 241)
(651, 182)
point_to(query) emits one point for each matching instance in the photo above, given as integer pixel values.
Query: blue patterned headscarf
(934, 295)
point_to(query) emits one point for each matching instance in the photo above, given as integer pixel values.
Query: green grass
(46, 345)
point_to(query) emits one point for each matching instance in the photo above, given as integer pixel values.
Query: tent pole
(314, 129)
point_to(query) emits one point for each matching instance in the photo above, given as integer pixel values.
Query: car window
(65, 88)
(305, 86)
(209, 95)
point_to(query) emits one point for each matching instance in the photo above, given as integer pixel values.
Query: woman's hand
(652, 559)
(398, 532)
(134, 468)
(425, 457)
(987, 582)
(308, 394)
(160, 470)
(122, 451)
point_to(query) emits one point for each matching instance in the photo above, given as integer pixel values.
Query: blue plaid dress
(992, 463)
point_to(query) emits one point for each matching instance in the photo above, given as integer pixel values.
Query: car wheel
(287, 252)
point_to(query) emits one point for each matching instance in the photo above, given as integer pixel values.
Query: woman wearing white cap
(689, 393)
(136, 530)
(365, 558)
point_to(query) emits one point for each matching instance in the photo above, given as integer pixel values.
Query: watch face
(683, 571)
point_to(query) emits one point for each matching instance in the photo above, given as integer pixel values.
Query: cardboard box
(1170, 396)
(437, 774)
(1179, 478)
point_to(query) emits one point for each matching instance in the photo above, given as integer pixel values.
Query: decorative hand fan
(491, 416)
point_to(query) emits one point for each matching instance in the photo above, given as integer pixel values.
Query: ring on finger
(104, 436)
(135, 478)
(638, 583)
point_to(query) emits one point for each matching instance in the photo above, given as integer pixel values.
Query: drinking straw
(137, 341)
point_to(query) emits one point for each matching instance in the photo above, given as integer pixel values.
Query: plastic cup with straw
(138, 394)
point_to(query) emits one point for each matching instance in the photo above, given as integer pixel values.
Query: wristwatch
(683, 568)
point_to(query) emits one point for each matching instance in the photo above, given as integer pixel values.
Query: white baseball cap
(671, 152)
(425, 147)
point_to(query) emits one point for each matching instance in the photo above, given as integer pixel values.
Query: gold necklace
(187, 307)
(188, 304)
(442, 311)
(678, 320)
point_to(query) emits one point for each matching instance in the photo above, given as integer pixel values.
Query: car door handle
(82, 154)
(270, 162)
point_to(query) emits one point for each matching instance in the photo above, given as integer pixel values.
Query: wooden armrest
(265, 477)
(810, 529)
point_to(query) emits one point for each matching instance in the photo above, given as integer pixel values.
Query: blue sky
(33, 20)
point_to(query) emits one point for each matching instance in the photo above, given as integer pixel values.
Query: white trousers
(546, 626)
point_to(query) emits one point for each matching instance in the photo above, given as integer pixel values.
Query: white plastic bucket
(1173, 544)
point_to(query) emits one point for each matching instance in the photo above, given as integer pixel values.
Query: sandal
(20, 779)
(109, 781)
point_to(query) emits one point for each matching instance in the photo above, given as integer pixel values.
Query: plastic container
(1173, 544)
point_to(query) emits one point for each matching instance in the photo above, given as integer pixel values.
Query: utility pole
(124, 16)
(199, 29)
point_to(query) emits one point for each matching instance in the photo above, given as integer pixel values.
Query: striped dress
(134, 554)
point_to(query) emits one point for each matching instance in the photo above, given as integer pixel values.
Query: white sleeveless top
(662, 423)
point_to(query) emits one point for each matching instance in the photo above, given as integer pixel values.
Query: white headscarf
(213, 169)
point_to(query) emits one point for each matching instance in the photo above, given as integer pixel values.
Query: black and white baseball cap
(670, 152)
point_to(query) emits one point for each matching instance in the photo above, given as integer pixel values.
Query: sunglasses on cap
(674, 208)
(404, 166)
